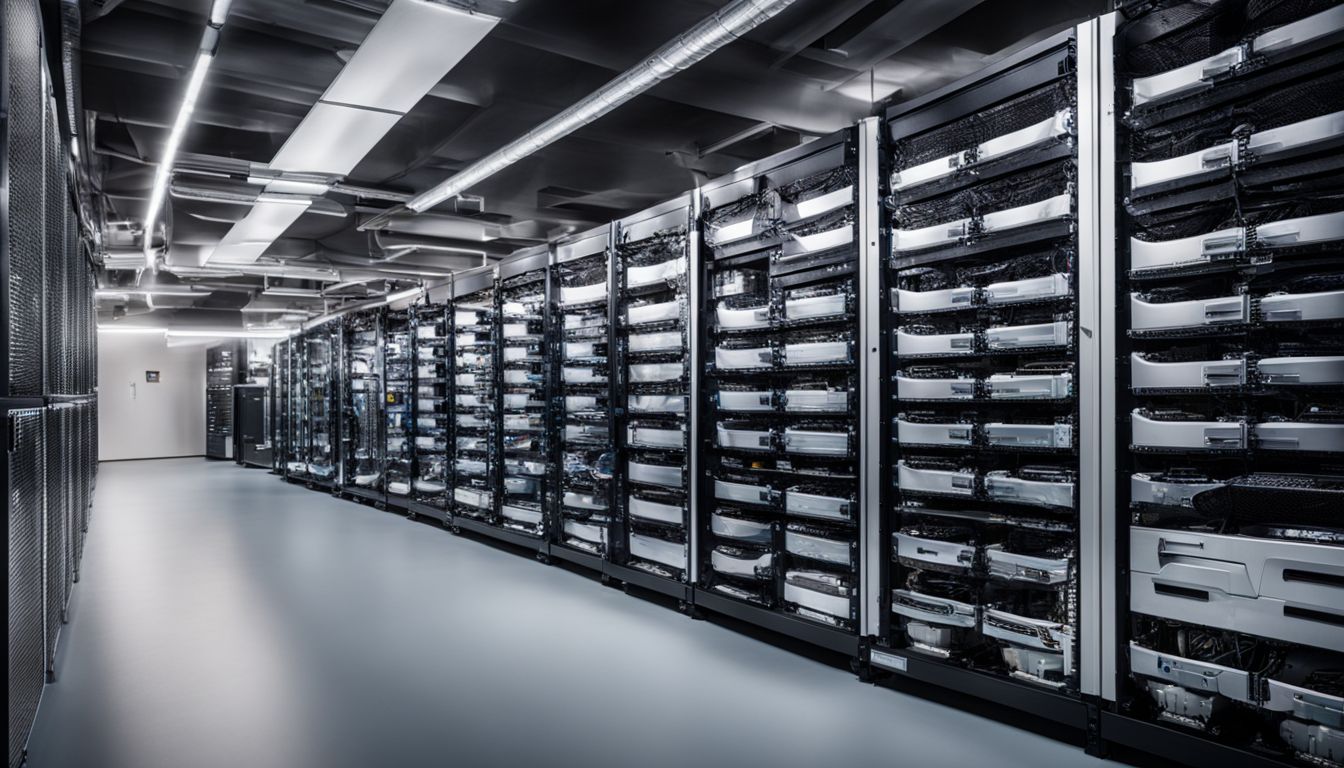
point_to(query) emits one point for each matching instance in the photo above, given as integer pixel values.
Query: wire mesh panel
(25, 477)
(56, 282)
(24, 246)
(61, 483)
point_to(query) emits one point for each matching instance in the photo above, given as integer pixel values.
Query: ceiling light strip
(205, 55)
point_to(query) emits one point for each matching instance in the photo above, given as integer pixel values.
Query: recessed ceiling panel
(333, 139)
(251, 236)
(409, 50)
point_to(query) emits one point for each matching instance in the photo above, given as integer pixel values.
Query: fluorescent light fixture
(231, 333)
(219, 11)
(711, 34)
(165, 170)
(272, 310)
(298, 293)
(109, 293)
(118, 329)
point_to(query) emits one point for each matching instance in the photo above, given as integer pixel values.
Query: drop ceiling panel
(410, 49)
(254, 233)
(333, 139)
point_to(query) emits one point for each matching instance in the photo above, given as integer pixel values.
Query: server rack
(991, 447)
(398, 425)
(362, 442)
(24, 495)
(251, 428)
(47, 362)
(783, 526)
(223, 369)
(324, 382)
(297, 450)
(280, 407)
(655, 376)
(1228, 374)
(432, 406)
(585, 403)
(475, 350)
(526, 437)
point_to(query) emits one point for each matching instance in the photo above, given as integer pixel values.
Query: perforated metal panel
(60, 483)
(25, 461)
(25, 163)
(56, 282)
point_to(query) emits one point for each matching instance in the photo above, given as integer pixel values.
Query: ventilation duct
(728, 24)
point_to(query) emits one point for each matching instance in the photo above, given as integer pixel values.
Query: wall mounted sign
(152, 377)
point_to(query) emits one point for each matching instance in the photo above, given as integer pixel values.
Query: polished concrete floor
(226, 618)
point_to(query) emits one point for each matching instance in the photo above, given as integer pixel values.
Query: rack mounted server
(655, 376)
(1031, 389)
(432, 410)
(1229, 359)
(787, 246)
(526, 436)
(362, 442)
(398, 389)
(223, 369)
(989, 299)
(586, 405)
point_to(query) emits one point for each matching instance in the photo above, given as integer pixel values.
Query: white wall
(151, 420)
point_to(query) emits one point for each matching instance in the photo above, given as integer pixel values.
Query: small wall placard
(152, 377)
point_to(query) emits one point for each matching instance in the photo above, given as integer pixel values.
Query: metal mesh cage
(25, 476)
(25, 239)
(60, 491)
(54, 257)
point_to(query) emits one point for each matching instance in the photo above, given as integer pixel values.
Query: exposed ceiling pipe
(202, 194)
(297, 272)
(370, 193)
(720, 29)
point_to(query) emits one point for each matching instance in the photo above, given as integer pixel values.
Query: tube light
(128, 329)
(711, 34)
(272, 310)
(219, 11)
(111, 293)
(296, 293)
(202, 333)
(165, 170)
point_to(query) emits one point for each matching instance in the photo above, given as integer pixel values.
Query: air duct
(728, 24)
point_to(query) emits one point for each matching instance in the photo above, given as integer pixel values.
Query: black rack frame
(830, 152)
(565, 251)
(350, 325)
(532, 260)
(436, 303)
(1127, 718)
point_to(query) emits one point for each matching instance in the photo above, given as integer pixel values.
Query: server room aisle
(225, 618)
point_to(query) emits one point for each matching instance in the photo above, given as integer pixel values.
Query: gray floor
(225, 618)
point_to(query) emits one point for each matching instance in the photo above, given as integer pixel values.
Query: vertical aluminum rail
(1096, 358)
(870, 383)
(693, 273)
(1103, 112)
